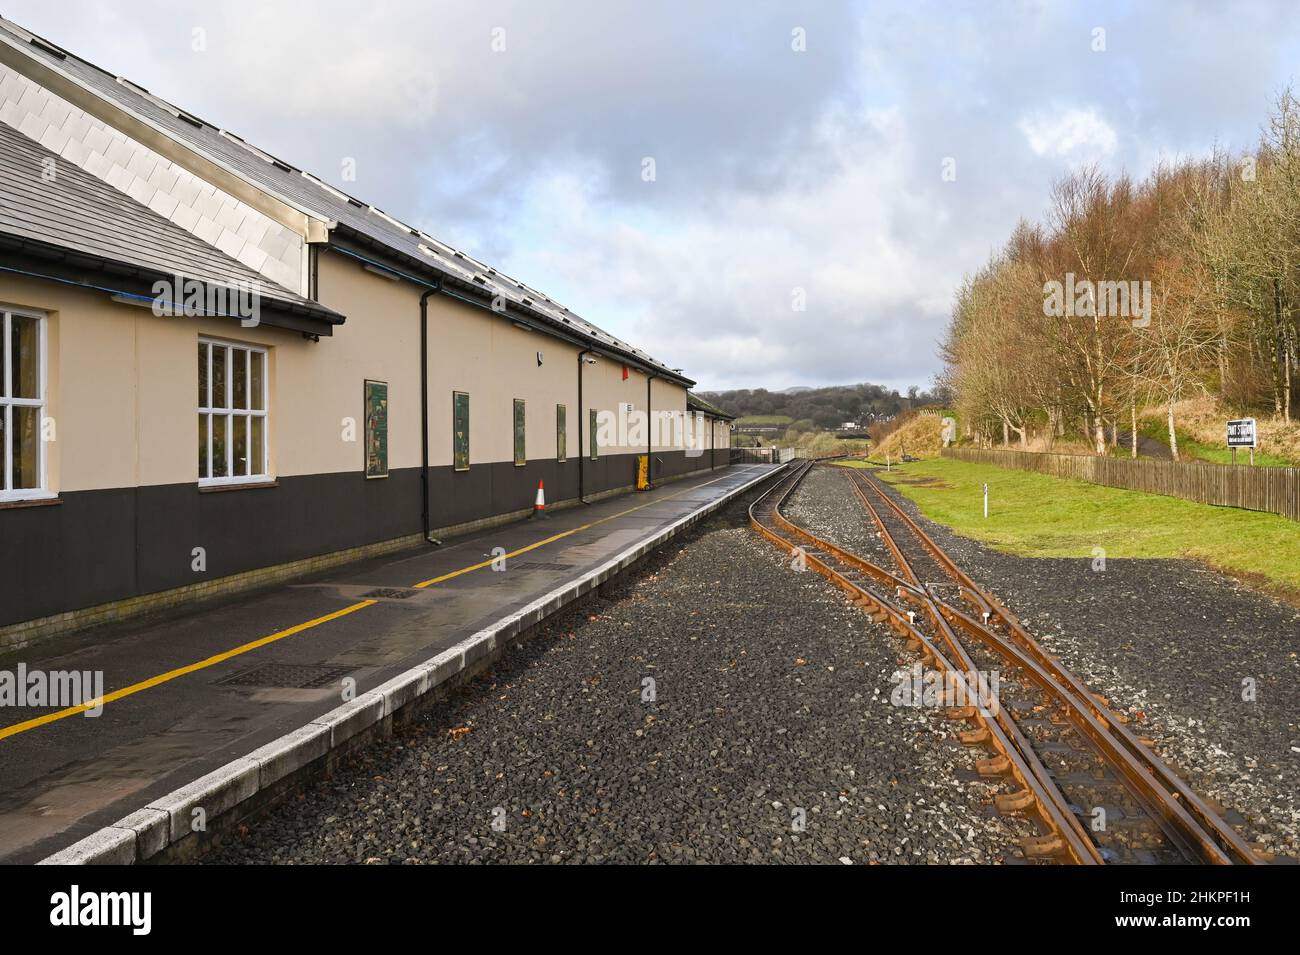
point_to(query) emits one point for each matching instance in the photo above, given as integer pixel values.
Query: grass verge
(1036, 515)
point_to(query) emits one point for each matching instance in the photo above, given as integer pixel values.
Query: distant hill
(825, 408)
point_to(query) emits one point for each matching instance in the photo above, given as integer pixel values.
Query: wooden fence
(1276, 490)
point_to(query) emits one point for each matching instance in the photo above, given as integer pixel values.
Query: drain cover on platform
(537, 565)
(287, 676)
(392, 593)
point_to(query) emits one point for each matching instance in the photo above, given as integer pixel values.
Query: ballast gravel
(717, 706)
(1204, 666)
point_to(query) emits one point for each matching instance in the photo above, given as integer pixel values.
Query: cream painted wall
(122, 382)
(317, 388)
(495, 362)
(491, 359)
(604, 389)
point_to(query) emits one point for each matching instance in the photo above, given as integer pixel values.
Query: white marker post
(986, 500)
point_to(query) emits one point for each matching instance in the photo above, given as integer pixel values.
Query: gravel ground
(772, 702)
(1169, 642)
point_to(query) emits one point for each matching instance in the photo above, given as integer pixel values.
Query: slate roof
(695, 403)
(74, 211)
(313, 196)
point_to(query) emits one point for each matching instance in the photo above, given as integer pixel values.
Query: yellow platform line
(180, 671)
(170, 675)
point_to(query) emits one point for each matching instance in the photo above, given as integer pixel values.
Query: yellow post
(643, 472)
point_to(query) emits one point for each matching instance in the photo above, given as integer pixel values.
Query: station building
(220, 371)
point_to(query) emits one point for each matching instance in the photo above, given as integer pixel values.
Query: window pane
(203, 445)
(256, 388)
(520, 448)
(26, 448)
(460, 427)
(239, 377)
(219, 377)
(374, 396)
(219, 427)
(240, 445)
(561, 433)
(24, 344)
(257, 450)
(4, 351)
(203, 374)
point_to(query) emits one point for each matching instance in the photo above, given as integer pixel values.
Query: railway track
(1093, 789)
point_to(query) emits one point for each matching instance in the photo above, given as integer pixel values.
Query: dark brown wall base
(106, 546)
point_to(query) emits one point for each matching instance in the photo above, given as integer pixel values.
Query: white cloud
(1074, 133)
(713, 291)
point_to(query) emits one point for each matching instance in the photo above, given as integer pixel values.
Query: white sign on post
(1241, 433)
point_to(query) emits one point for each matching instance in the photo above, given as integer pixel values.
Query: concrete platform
(231, 697)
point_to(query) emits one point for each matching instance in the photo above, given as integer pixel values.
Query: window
(22, 405)
(592, 427)
(460, 430)
(521, 450)
(561, 433)
(232, 413)
(375, 399)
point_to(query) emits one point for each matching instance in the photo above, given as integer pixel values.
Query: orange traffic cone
(539, 507)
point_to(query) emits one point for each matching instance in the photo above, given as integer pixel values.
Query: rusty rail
(1185, 820)
(1190, 823)
(1062, 834)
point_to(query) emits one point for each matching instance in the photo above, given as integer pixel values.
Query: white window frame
(230, 413)
(7, 405)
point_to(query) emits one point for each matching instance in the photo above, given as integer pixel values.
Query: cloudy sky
(519, 130)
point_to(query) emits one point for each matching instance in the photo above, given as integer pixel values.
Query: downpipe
(582, 430)
(424, 414)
